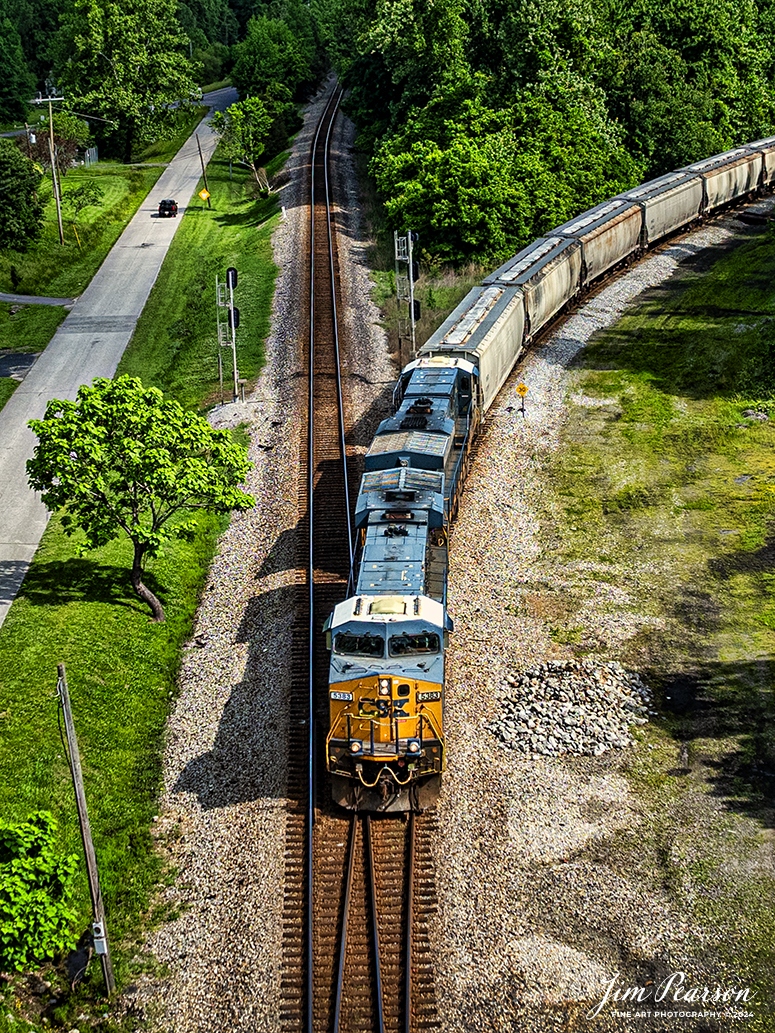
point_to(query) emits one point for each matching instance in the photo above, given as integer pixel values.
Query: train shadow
(283, 553)
(689, 354)
(248, 759)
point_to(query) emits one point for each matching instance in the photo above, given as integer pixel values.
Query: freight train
(385, 745)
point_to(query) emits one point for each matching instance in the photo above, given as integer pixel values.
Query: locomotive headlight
(413, 746)
(384, 686)
(356, 747)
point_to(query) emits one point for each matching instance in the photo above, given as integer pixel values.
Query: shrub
(36, 917)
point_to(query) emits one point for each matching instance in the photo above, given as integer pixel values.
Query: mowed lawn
(121, 667)
(175, 345)
(47, 267)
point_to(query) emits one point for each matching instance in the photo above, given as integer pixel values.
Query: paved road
(88, 344)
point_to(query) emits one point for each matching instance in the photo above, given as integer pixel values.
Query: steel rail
(310, 995)
(375, 925)
(346, 910)
(409, 923)
(336, 341)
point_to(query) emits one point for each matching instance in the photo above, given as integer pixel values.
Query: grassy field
(664, 487)
(121, 667)
(50, 269)
(121, 671)
(30, 328)
(175, 345)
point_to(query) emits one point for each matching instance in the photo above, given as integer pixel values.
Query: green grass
(50, 269)
(7, 387)
(31, 328)
(121, 667)
(667, 490)
(219, 85)
(175, 344)
(121, 671)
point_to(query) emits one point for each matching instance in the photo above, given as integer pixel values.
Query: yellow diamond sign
(204, 194)
(522, 389)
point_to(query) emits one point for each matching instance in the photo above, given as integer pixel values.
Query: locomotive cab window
(348, 643)
(413, 645)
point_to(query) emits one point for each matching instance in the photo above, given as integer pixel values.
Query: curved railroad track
(358, 892)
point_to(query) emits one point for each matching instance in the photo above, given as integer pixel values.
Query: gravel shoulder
(533, 920)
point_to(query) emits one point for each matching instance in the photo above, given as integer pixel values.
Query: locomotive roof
(410, 441)
(438, 380)
(380, 609)
(393, 558)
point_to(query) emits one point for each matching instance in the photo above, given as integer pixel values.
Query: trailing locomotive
(385, 744)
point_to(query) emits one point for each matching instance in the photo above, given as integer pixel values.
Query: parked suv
(168, 209)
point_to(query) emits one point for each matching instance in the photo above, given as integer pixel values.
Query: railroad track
(359, 893)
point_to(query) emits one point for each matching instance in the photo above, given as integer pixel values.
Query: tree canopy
(123, 460)
(489, 121)
(125, 64)
(244, 128)
(20, 212)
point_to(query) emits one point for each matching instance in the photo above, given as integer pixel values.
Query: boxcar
(668, 203)
(487, 329)
(767, 150)
(728, 176)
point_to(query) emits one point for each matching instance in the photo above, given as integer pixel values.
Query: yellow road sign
(204, 194)
(522, 389)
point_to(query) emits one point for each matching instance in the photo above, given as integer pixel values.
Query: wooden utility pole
(54, 171)
(99, 928)
(204, 170)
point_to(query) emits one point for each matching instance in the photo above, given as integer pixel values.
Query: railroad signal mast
(405, 281)
(227, 328)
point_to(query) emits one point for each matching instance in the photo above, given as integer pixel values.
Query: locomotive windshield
(352, 643)
(411, 645)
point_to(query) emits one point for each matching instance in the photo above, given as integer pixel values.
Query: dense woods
(490, 121)
(486, 122)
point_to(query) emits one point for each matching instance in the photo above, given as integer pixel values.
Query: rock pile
(571, 706)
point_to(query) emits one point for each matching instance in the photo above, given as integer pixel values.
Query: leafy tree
(244, 128)
(84, 196)
(70, 134)
(36, 916)
(269, 55)
(20, 212)
(37, 22)
(480, 183)
(126, 64)
(123, 459)
(17, 82)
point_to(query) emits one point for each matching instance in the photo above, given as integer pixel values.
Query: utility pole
(204, 170)
(54, 176)
(99, 927)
